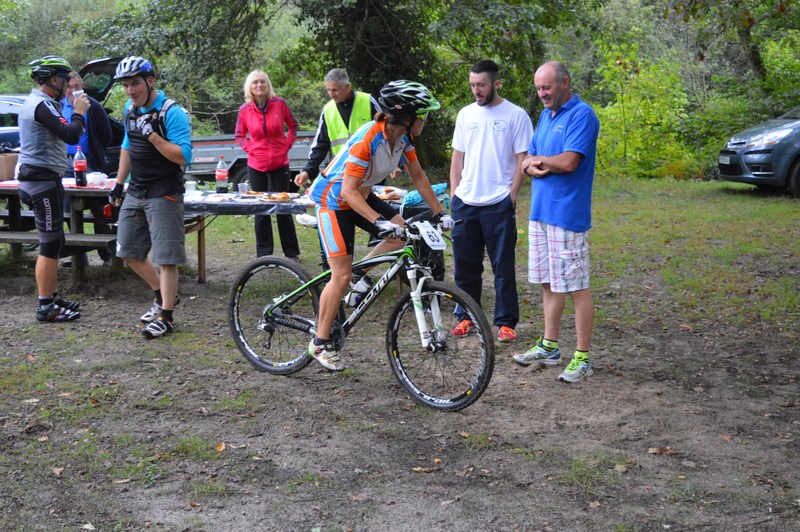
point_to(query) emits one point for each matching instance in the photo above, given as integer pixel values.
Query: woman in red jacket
(266, 129)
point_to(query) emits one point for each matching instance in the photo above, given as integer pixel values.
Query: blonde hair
(248, 93)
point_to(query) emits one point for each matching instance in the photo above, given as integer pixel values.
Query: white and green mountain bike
(273, 308)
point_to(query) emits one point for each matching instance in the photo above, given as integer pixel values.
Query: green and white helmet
(48, 66)
(403, 96)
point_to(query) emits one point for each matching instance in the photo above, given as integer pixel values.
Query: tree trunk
(753, 54)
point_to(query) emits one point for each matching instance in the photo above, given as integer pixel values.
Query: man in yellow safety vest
(341, 117)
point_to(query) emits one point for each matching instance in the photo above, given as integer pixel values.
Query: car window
(8, 114)
(97, 83)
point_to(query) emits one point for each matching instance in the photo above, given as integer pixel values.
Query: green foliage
(509, 32)
(297, 74)
(41, 27)
(376, 41)
(648, 103)
(700, 70)
(783, 69)
(11, 13)
(197, 47)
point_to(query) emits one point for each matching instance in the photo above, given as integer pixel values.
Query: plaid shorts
(558, 257)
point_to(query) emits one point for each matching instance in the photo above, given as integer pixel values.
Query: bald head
(552, 83)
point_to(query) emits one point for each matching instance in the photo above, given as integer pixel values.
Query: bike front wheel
(453, 371)
(275, 341)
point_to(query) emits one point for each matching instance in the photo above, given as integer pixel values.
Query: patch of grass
(478, 442)
(712, 249)
(243, 402)
(27, 376)
(209, 488)
(196, 447)
(532, 456)
(589, 473)
(308, 481)
(145, 472)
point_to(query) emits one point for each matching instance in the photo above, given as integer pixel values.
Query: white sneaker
(577, 370)
(157, 328)
(155, 311)
(326, 355)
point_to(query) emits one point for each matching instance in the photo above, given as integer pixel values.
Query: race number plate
(431, 236)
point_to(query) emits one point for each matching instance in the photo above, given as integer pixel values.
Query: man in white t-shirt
(490, 141)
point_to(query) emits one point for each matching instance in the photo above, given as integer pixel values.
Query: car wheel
(794, 180)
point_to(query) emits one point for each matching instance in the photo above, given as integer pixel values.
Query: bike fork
(428, 343)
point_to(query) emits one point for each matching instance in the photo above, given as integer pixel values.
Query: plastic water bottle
(358, 289)
(79, 166)
(222, 176)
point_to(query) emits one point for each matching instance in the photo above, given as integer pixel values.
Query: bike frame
(403, 258)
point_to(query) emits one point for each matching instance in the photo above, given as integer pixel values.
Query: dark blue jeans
(493, 228)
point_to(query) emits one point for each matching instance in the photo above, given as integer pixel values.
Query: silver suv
(766, 155)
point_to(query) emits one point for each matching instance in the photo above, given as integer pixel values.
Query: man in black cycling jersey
(156, 148)
(44, 134)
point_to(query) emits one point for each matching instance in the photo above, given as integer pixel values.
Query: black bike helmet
(48, 66)
(134, 66)
(407, 97)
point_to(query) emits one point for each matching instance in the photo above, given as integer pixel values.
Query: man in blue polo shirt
(561, 161)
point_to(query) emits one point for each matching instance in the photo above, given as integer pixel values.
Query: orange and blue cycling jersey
(367, 157)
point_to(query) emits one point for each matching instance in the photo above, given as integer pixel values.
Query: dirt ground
(683, 426)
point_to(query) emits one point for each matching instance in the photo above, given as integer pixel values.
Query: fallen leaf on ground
(220, 446)
(424, 469)
(661, 450)
(57, 471)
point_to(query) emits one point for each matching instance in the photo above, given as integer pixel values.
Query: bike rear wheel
(279, 348)
(453, 374)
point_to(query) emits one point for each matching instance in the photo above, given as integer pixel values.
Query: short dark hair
(488, 66)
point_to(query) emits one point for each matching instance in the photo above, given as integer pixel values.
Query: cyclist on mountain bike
(343, 197)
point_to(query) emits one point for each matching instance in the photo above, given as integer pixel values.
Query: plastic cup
(191, 186)
(243, 188)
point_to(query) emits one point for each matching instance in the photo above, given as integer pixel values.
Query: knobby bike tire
(454, 376)
(270, 346)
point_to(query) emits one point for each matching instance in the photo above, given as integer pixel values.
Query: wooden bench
(26, 220)
(77, 244)
(77, 240)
